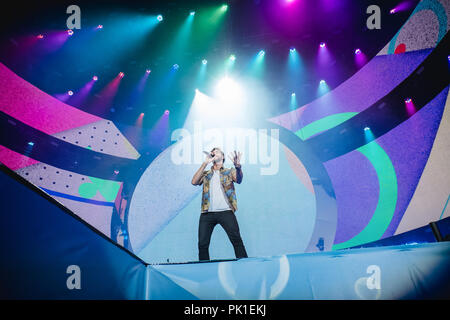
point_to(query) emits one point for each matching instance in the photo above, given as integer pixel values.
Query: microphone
(210, 154)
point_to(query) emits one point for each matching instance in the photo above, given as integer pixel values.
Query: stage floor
(395, 272)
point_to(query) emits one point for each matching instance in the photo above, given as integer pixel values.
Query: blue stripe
(80, 199)
(445, 207)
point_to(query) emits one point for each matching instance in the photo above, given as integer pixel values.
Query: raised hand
(235, 157)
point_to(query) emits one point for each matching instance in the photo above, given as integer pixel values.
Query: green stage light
(257, 65)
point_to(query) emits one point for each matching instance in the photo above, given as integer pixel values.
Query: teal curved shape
(437, 8)
(387, 179)
(323, 124)
(387, 198)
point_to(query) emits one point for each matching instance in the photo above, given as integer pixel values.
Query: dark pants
(228, 221)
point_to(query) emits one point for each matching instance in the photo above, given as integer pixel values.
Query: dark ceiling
(248, 26)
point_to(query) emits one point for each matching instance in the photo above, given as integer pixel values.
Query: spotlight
(224, 7)
(204, 61)
(100, 26)
(366, 129)
(40, 36)
(121, 74)
(357, 51)
(322, 44)
(228, 90)
(232, 57)
(322, 81)
(95, 78)
(408, 100)
(148, 71)
(393, 11)
(292, 49)
(166, 112)
(192, 13)
(176, 66)
(293, 94)
(70, 92)
(160, 18)
(31, 143)
(70, 32)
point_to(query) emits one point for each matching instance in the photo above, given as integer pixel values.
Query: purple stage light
(403, 6)
(70, 32)
(357, 51)
(148, 71)
(70, 93)
(322, 45)
(95, 78)
(410, 107)
(166, 112)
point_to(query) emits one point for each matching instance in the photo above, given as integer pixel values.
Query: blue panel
(40, 239)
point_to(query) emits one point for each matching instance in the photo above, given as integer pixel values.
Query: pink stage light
(70, 93)
(100, 26)
(410, 107)
(95, 78)
(166, 112)
(121, 74)
(70, 32)
(40, 36)
(357, 51)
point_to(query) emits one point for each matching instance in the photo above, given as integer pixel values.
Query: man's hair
(223, 154)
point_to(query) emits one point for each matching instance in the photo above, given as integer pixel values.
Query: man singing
(219, 201)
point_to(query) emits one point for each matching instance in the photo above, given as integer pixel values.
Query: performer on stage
(219, 201)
